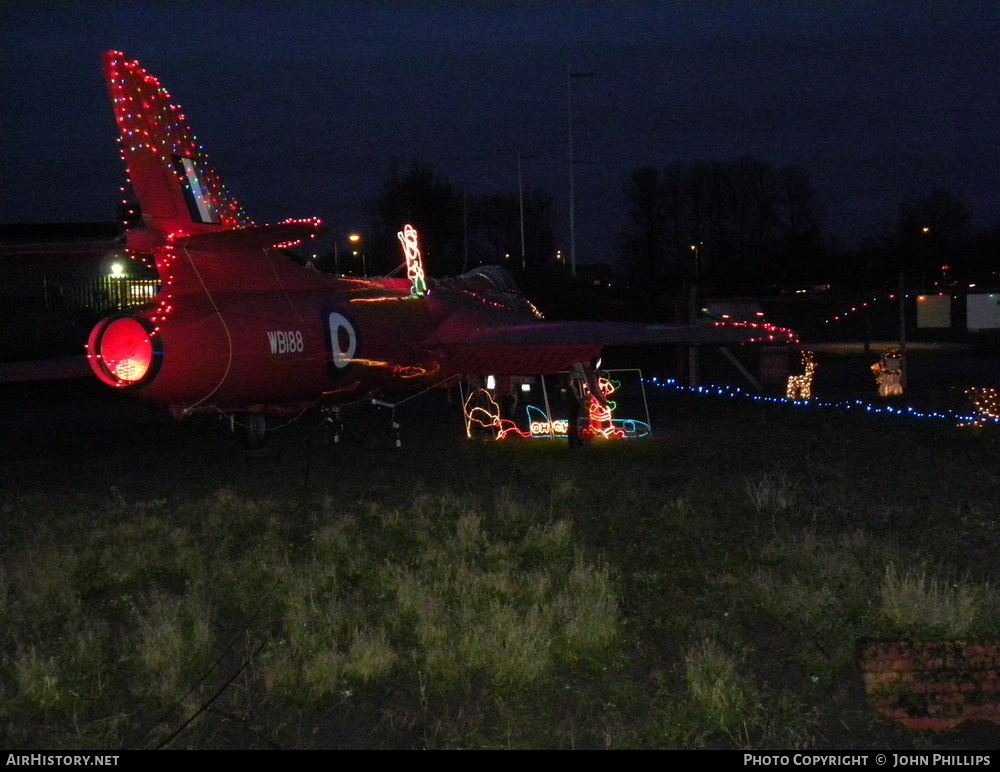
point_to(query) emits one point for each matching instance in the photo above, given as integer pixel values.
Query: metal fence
(101, 294)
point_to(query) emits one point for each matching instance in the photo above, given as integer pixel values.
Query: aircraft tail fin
(178, 191)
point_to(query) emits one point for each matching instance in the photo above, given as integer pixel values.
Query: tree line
(744, 226)
(458, 231)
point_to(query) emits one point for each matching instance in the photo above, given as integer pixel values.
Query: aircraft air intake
(121, 352)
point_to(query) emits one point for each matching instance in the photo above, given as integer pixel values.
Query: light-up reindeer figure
(800, 386)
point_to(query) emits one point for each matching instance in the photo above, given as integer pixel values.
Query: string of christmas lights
(768, 333)
(890, 297)
(150, 122)
(734, 392)
(856, 309)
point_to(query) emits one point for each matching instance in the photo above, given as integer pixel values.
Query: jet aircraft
(239, 327)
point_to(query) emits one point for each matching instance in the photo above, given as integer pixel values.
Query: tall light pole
(572, 191)
(693, 313)
(355, 239)
(520, 202)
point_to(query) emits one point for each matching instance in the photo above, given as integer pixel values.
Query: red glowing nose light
(126, 350)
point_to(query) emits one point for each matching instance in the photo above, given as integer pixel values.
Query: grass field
(707, 588)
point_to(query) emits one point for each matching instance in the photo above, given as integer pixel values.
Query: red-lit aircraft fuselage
(238, 326)
(319, 339)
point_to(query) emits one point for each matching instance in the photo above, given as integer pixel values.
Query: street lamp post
(355, 239)
(693, 375)
(572, 191)
(520, 203)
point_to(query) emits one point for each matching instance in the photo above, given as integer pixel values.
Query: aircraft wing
(251, 239)
(45, 370)
(549, 347)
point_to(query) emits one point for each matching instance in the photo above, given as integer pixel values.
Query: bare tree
(433, 206)
(733, 226)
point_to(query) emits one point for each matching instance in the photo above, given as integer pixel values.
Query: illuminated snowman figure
(889, 373)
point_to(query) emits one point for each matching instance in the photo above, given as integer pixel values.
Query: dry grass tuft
(919, 605)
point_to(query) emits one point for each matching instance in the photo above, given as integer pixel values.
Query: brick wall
(933, 685)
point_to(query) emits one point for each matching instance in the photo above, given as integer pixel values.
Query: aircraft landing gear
(333, 422)
(252, 434)
(393, 423)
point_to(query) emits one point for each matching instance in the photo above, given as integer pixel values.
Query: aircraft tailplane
(178, 191)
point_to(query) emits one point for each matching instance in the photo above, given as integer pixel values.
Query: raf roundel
(343, 340)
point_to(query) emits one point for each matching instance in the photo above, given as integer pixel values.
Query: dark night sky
(303, 105)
